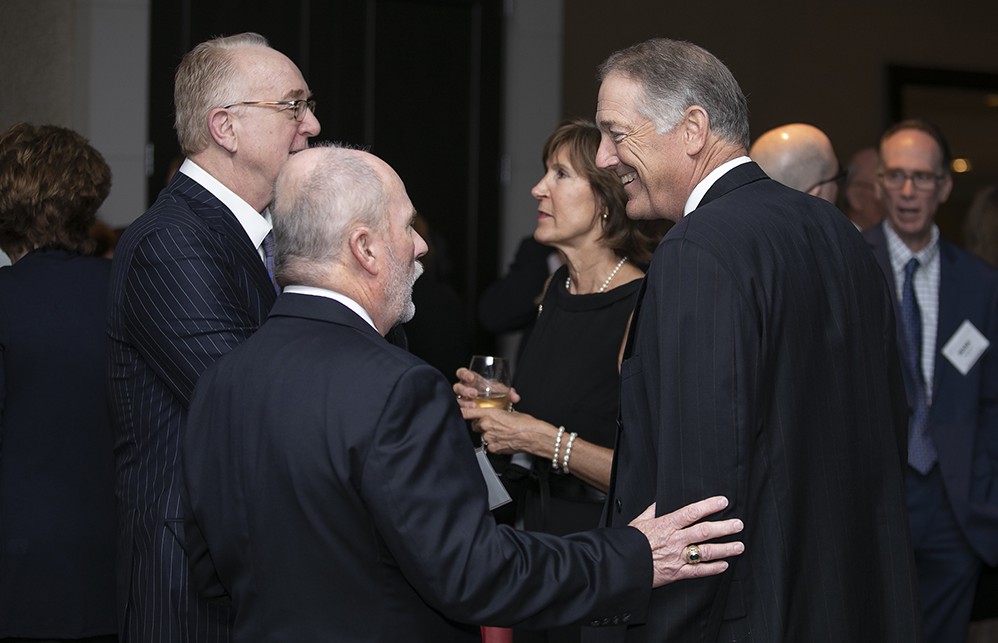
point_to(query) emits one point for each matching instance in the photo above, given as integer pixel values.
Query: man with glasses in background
(799, 156)
(858, 197)
(192, 278)
(947, 312)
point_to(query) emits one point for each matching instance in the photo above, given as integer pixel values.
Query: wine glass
(492, 380)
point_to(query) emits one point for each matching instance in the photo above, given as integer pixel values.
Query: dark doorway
(963, 104)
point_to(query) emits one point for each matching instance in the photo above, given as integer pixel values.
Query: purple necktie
(921, 451)
(268, 259)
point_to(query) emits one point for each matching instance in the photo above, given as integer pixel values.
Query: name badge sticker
(497, 493)
(965, 347)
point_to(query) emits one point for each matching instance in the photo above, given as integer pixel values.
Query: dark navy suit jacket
(963, 419)
(762, 366)
(334, 497)
(57, 537)
(187, 286)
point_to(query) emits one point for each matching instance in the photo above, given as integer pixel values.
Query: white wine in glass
(492, 380)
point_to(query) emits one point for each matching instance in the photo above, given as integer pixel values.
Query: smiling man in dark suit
(189, 282)
(947, 309)
(761, 365)
(333, 494)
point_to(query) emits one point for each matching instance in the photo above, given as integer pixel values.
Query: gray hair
(204, 80)
(315, 210)
(677, 74)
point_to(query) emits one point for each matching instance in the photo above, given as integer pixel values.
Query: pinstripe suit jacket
(763, 367)
(963, 419)
(187, 286)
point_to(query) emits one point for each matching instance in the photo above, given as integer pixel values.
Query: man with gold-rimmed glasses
(946, 304)
(298, 106)
(192, 278)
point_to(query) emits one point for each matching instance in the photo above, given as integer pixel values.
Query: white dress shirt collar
(708, 181)
(256, 224)
(331, 294)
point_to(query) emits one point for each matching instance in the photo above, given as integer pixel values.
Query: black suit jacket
(56, 471)
(187, 286)
(963, 418)
(762, 366)
(334, 497)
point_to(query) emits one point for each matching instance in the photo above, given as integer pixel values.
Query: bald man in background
(860, 201)
(799, 156)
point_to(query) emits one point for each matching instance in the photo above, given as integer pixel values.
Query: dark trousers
(948, 568)
(92, 639)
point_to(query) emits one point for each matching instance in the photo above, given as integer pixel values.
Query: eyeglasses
(298, 105)
(896, 179)
(835, 179)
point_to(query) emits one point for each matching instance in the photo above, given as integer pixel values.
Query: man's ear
(945, 187)
(696, 127)
(222, 128)
(365, 250)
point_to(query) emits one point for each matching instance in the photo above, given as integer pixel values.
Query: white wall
(83, 64)
(114, 108)
(532, 110)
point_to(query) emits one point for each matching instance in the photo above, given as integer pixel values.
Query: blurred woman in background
(980, 227)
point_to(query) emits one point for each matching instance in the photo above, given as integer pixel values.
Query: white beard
(400, 283)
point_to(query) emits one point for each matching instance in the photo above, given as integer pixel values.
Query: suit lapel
(877, 241)
(735, 178)
(218, 217)
(950, 315)
(320, 309)
(632, 328)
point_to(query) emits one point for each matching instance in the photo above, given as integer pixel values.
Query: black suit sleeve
(423, 490)
(185, 312)
(204, 575)
(709, 356)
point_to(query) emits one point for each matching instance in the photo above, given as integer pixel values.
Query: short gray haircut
(675, 75)
(205, 80)
(314, 212)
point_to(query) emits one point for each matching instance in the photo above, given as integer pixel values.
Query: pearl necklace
(568, 279)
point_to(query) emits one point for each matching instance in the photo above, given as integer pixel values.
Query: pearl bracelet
(568, 452)
(557, 445)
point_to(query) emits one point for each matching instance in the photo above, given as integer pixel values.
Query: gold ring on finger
(692, 555)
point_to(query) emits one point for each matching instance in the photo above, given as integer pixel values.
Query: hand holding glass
(492, 381)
